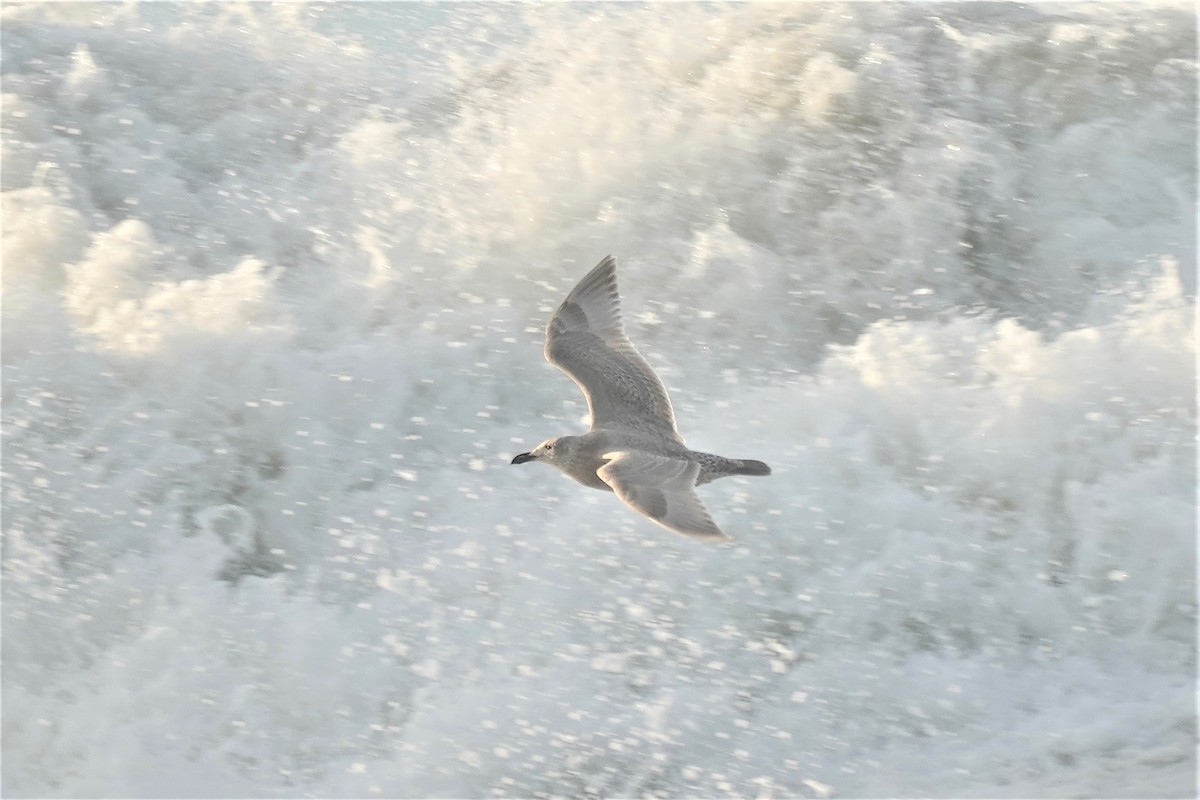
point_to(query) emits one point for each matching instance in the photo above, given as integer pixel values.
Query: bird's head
(548, 451)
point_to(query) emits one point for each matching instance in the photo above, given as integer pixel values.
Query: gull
(633, 448)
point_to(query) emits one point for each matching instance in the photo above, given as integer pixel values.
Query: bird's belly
(591, 479)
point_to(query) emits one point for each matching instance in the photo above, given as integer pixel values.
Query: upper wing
(662, 488)
(586, 340)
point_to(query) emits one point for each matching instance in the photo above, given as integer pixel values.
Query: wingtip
(607, 266)
(719, 537)
(707, 531)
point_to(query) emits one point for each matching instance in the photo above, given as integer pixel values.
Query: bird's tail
(748, 466)
(713, 467)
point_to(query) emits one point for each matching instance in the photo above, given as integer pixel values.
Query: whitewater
(275, 279)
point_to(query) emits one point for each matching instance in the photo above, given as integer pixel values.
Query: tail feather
(713, 467)
(748, 466)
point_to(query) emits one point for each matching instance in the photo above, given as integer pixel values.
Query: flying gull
(633, 448)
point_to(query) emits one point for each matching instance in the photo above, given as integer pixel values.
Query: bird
(633, 448)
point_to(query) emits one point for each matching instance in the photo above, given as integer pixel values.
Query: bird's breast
(593, 480)
(586, 460)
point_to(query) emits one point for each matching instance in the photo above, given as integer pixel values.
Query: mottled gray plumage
(633, 448)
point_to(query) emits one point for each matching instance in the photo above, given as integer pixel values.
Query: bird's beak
(521, 458)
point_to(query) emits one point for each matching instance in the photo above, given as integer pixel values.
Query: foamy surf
(272, 275)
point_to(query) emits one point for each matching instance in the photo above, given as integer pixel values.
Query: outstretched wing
(662, 488)
(586, 340)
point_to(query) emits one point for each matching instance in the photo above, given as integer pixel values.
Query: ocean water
(274, 285)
